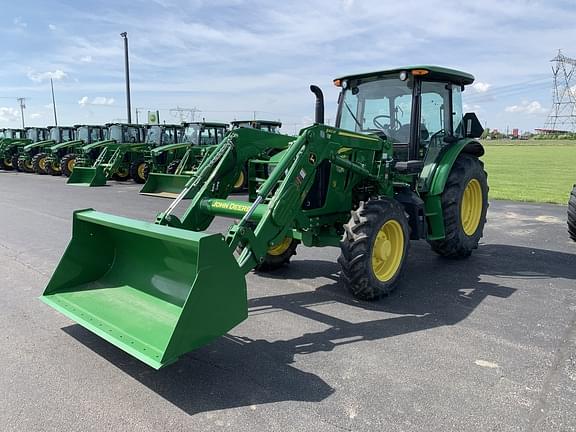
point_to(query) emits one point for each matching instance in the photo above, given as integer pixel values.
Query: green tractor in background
(402, 163)
(99, 161)
(61, 157)
(10, 141)
(572, 214)
(172, 164)
(270, 126)
(165, 144)
(32, 157)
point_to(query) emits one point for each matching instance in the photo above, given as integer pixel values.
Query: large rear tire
(67, 164)
(138, 172)
(572, 214)
(374, 248)
(464, 205)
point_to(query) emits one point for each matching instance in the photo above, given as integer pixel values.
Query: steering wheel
(379, 125)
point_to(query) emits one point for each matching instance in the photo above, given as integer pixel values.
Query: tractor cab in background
(265, 125)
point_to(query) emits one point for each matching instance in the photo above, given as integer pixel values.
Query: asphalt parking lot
(485, 344)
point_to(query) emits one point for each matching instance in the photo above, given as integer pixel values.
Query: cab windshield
(382, 105)
(191, 134)
(154, 135)
(82, 134)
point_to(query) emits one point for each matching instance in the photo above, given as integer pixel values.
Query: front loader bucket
(155, 292)
(87, 176)
(164, 185)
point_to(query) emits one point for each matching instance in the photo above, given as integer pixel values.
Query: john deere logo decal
(312, 158)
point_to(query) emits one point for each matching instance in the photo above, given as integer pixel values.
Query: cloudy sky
(233, 59)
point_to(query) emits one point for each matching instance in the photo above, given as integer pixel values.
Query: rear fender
(432, 198)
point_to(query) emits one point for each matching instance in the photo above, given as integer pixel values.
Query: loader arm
(265, 225)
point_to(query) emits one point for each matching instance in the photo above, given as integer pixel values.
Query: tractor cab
(265, 125)
(126, 133)
(159, 135)
(15, 133)
(35, 134)
(204, 133)
(89, 134)
(60, 134)
(414, 108)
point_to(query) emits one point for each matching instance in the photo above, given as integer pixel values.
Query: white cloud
(52, 27)
(8, 114)
(56, 75)
(98, 100)
(35, 116)
(19, 23)
(526, 107)
(86, 59)
(481, 87)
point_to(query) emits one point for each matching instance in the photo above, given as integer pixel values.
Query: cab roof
(434, 73)
(205, 123)
(264, 122)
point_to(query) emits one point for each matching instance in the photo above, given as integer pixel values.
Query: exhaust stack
(319, 108)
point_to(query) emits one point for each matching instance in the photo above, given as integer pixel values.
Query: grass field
(533, 170)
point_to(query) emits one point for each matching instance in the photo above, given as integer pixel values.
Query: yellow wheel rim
(471, 207)
(388, 251)
(239, 180)
(8, 162)
(55, 166)
(281, 247)
(71, 163)
(122, 172)
(28, 164)
(42, 163)
(141, 168)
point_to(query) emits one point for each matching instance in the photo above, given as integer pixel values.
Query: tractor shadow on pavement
(242, 372)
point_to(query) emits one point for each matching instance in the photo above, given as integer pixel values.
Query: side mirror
(472, 126)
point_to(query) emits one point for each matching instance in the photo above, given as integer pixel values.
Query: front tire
(279, 255)
(138, 172)
(572, 214)
(16, 162)
(6, 164)
(374, 248)
(241, 181)
(53, 167)
(25, 165)
(464, 206)
(39, 163)
(67, 164)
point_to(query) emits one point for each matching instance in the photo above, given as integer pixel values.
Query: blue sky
(229, 58)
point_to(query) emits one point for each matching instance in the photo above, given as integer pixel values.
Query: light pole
(127, 70)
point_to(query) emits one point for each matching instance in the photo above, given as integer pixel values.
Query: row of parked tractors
(90, 155)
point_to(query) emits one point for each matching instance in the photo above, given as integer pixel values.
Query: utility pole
(22, 106)
(53, 103)
(127, 71)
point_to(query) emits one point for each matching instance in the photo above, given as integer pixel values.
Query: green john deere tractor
(172, 163)
(33, 156)
(163, 142)
(112, 157)
(401, 164)
(12, 142)
(61, 157)
(572, 214)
